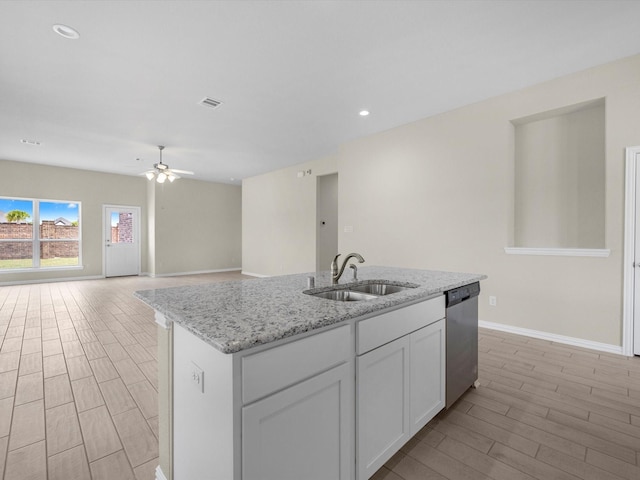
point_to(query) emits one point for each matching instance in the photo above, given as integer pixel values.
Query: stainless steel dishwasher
(462, 340)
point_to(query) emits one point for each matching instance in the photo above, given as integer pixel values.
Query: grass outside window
(44, 263)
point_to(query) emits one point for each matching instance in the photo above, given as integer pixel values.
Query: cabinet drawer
(376, 331)
(279, 367)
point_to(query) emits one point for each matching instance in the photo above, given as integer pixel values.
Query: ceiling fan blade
(184, 172)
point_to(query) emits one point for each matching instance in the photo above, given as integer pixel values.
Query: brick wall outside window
(48, 231)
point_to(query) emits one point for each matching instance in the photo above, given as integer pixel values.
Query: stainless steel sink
(379, 289)
(344, 295)
(358, 292)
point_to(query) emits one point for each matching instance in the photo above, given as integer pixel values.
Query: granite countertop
(236, 315)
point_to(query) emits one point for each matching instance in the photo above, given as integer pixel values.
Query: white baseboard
(197, 272)
(51, 280)
(159, 474)
(259, 275)
(552, 337)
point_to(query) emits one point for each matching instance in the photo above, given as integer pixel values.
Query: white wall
(560, 180)
(187, 226)
(279, 223)
(93, 189)
(439, 194)
(198, 227)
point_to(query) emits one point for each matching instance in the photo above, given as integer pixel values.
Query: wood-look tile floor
(78, 397)
(78, 379)
(543, 411)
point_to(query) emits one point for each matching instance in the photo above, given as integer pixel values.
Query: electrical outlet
(197, 377)
(493, 301)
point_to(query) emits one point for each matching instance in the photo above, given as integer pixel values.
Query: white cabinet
(284, 412)
(274, 369)
(297, 418)
(382, 409)
(400, 387)
(308, 408)
(427, 374)
(303, 432)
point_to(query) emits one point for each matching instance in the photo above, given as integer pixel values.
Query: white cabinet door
(303, 432)
(427, 374)
(382, 405)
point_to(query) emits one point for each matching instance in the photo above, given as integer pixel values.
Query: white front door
(122, 241)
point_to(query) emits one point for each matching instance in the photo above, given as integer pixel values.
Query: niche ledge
(559, 252)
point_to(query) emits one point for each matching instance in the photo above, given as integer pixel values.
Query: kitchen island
(261, 381)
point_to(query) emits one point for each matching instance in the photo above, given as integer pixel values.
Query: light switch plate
(197, 377)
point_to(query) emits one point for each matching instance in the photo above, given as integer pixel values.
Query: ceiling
(291, 75)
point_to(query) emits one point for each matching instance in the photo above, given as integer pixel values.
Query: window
(560, 178)
(39, 234)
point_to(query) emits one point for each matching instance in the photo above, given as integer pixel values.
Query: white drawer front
(376, 331)
(279, 367)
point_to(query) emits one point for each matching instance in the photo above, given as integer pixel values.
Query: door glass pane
(121, 227)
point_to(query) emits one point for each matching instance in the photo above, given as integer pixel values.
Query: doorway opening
(326, 220)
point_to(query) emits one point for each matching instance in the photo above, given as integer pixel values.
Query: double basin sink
(359, 292)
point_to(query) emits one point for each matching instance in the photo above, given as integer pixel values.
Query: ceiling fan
(161, 171)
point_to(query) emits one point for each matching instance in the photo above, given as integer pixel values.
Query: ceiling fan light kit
(162, 172)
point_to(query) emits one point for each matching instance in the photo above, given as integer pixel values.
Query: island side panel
(203, 413)
(165, 398)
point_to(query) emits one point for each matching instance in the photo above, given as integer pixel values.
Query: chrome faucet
(337, 273)
(355, 272)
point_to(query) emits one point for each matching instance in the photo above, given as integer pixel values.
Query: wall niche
(560, 178)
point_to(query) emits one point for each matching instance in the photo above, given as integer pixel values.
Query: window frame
(36, 241)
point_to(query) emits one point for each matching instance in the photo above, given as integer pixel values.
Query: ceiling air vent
(210, 102)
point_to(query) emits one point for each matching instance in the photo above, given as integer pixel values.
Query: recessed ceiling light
(364, 113)
(66, 31)
(30, 142)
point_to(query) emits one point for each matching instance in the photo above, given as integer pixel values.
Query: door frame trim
(632, 156)
(318, 266)
(137, 229)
